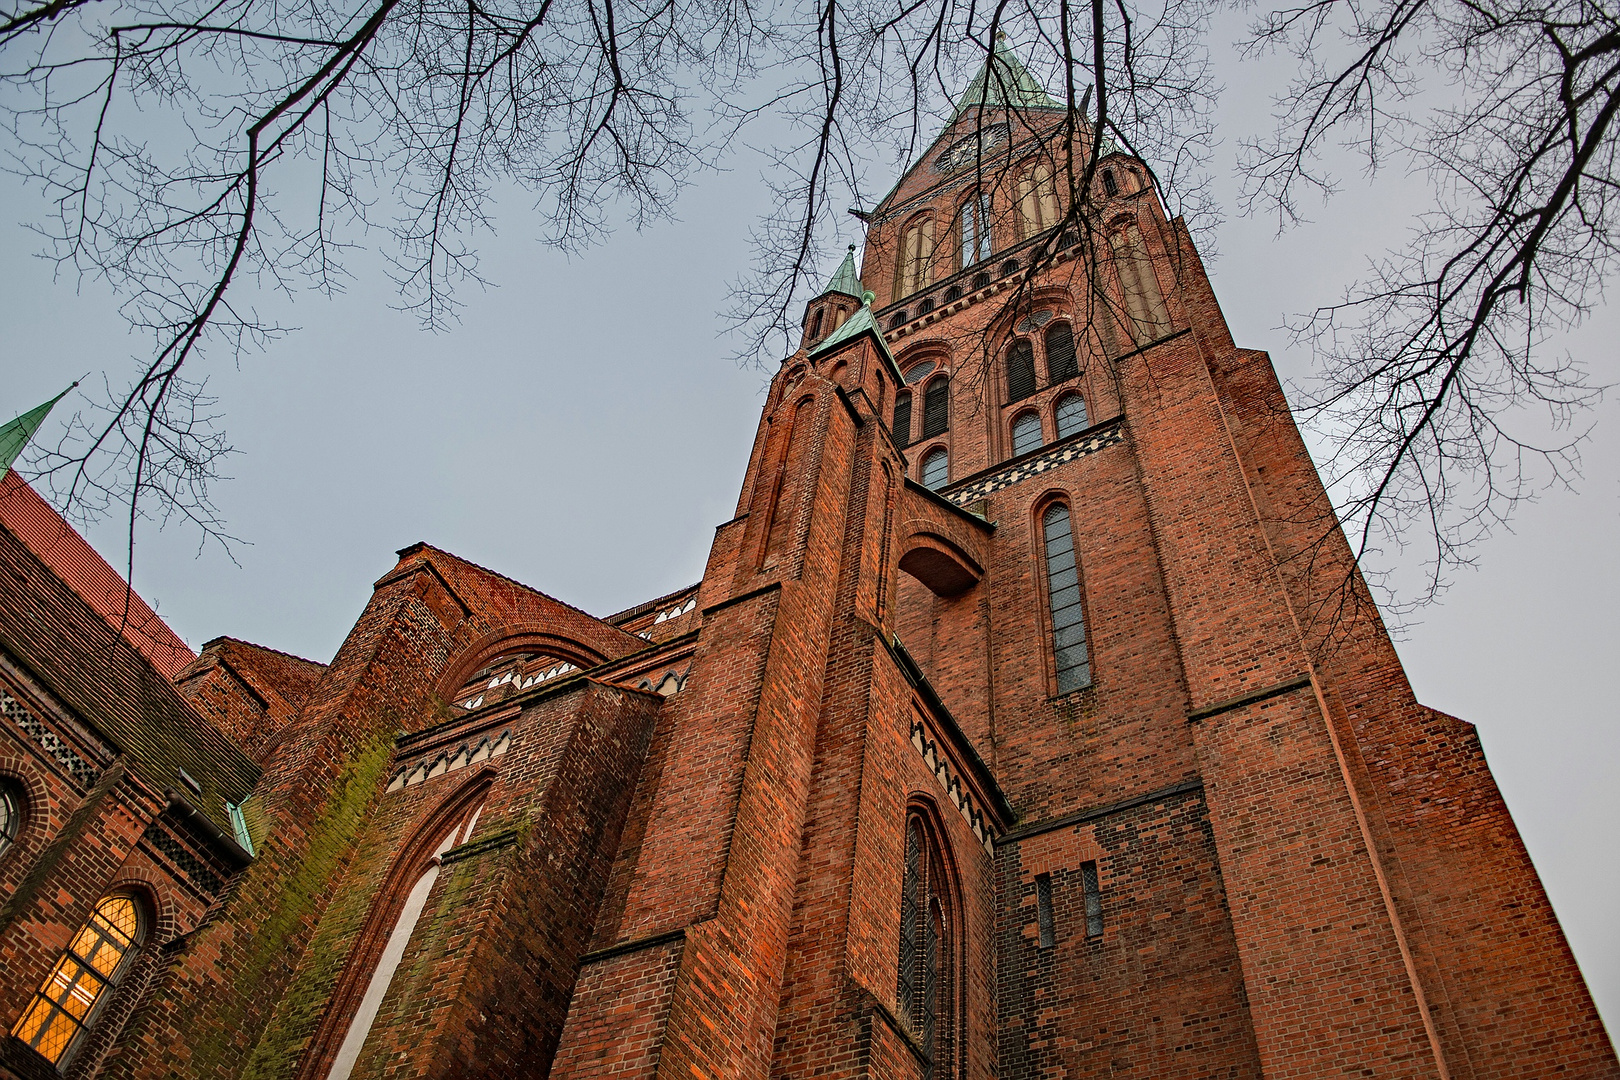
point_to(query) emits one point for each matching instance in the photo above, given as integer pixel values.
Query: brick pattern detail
(58, 750)
(1029, 468)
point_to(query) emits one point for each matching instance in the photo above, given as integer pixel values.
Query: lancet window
(1069, 658)
(1144, 299)
(936, 407)
(973, 230)
(11, 811)
(1061, 362)
(925, 987)
(915, 256)
(1037, 198)
(1026, 433)
(1070, 413)
(936, 469)
(1020, 370)
(902, 418)
(83, 979)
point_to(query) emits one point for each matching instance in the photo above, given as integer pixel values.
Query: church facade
(1030, 720)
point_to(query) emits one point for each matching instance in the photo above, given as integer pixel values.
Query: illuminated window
(973, 230)
(1020, 370)
(924, 986)
(936, 469)
(1026, 433)
(915, 256)
(82, 979)
(1071, 415)
(1069, 656)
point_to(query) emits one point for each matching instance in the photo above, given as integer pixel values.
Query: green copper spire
(15, 435)
(1003, 82)
(846, 280)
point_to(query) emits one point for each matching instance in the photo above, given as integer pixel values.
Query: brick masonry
(1254, 853)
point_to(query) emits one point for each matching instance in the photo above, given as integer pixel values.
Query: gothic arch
(933, 884)
(414, 857)
(940, 564)
(498, 643)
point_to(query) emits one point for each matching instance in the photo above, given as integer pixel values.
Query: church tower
(1031, 719)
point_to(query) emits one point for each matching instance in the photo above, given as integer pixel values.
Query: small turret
(837, 302)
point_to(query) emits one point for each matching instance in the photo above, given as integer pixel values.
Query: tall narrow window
(1144, 300)
(902, 418)
(936, 407)
(916, 253)
(1043, 911)
(1088, 881)
(1071, 415)
(410, 912)
(1020, 370)
(1037, 199)
(1026, 433)
(936, 469)
(1061, 364)
(11, 805)
(82, 979)
(973, 230)
(815, 325)
(924, 986)
(1110, 185)
(1063, 586)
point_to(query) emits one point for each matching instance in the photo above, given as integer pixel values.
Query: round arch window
(11, 813)
(1026, 433)
(936, 469)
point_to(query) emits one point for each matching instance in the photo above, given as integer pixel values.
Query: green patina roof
(846, 280)
(1004, 82)
(863, 321)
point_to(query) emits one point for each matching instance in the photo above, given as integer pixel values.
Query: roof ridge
(423, 544)
(266, 648)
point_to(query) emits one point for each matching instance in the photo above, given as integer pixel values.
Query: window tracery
(914, 257)
(83, 978)
(925, 987)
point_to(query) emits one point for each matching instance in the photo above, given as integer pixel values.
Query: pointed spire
(846, 280)
(1004, 82)
(15, 435)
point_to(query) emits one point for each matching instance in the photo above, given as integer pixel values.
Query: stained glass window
(81, 978)
(10, 815)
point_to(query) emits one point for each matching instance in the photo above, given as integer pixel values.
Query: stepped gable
(59, 546)
(56, 637)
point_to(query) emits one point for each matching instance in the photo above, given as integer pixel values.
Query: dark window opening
(1009, 267)
(1110, 185)
(980, 281)
(924, 983)
(953, 294)
(899, 320)
(815, 325)
(1061, 362)
(936, 408)
(10, 814)
(1094, 918)
(1043, 910)
(1020, 370)
(925, 306)
(902, 418)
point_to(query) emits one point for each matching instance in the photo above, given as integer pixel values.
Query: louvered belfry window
(902, 418)
(1069, 656)
(1061, 363)
(936, 408)
(1020, 370)
(924, 990)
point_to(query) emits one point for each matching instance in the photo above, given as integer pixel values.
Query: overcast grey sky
(584, 432)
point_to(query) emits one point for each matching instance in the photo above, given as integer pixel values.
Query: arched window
(1026, 433)
(973, 230)
(1037, 199)
(1069, 658)
(1020, 370)
(11, 811)
(900, 319)
(1061, 363)
(902, 418)
(936, 407)
(1144, 300)
(914, 257)
(1070, 414)
(936, 469)
(925, 987)
(1110, 185)
(410, 912)
(83, 979)
(815, 325)
(953, 294)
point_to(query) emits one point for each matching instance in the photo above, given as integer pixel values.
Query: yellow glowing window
(80, 979)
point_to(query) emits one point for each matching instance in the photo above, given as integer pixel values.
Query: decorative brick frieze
(951, 782)
(82, 771)
(1016, 472)
(477, 748)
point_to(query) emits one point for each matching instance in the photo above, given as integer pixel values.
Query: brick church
(1027, 723)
